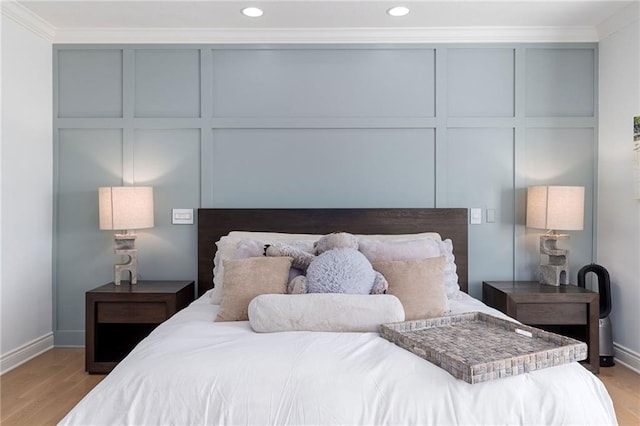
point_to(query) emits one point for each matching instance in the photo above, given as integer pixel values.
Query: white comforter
(192, 371)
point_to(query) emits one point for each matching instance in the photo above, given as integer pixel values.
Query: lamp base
(125, 245)
(126, 241)
(131, 265)
(553, 275)
(556, 271)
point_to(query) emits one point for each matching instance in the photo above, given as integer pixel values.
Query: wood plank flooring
(623, 385)
(43, 390)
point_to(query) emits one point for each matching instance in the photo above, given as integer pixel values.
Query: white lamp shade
(555, 207)
(125, 207)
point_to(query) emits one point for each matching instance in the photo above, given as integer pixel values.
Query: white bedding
(191, 370)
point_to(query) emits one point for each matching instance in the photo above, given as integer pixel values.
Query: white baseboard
(24, 353)
(626, 357)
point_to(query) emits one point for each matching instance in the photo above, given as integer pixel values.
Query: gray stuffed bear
(336, 266)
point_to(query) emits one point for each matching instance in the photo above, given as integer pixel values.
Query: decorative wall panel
(323, 83)
(324, 168)
(89, 83)
(480, 82)
(315, 126)
(560, 82)
(167, 83)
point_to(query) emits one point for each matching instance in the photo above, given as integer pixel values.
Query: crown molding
(29, 20)
(327, 35)
(25, 17)
(619, 20)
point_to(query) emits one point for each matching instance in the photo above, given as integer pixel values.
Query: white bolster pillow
(323, 312)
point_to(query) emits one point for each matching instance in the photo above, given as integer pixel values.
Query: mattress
(191, 370)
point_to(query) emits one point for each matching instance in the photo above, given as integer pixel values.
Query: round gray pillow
(340, 271)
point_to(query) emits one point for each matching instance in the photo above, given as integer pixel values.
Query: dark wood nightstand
(119, 317)
(568, 310)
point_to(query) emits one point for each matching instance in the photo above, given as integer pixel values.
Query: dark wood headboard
(215, 223)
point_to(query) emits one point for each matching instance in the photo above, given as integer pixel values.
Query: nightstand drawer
(556, 313)
(131, 312)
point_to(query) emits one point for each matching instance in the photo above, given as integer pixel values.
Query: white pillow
(283, 236)
(385, 237)
(253, 248)
(323, 312)
(226, 248)
(390, 250)
(451, 285)
(280, 236)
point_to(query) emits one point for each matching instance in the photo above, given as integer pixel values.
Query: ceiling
(73, 18)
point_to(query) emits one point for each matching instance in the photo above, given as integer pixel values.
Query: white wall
(26, 195)
(618, 212)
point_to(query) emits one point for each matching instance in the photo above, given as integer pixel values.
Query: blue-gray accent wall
(440, 125)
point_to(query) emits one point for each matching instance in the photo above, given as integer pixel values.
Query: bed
(193, 370)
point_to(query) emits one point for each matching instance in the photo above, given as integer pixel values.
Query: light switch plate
(491, 215)
(182, 216)
(475, 218)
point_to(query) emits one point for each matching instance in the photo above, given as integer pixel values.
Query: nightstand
(119, 317)
(568, 310)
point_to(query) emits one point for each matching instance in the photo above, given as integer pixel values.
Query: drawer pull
(523, 332)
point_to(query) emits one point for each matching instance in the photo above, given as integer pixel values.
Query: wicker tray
(477, 347)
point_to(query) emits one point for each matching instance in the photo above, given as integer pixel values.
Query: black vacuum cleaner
(604, 288)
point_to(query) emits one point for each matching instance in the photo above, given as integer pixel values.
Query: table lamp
(554, 208)
(125, 208)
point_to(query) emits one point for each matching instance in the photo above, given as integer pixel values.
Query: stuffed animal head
(336, 240)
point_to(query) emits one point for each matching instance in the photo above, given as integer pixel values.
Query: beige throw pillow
(419, 284)
(245, 279)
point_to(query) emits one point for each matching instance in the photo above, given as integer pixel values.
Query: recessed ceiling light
(252, 12)
(398, 11)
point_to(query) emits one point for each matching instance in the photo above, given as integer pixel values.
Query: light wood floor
(624, 387)
(44, 389)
